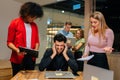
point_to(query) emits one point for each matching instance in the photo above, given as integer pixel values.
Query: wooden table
(5, 70)
(37, 75)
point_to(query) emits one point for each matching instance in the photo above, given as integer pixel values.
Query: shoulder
(71, 33)
(109, 31)
(49, 49)
(69, 53)
(33, 23)
(59, 31)
(90, 31)
(16, 20)
(48, 52)
(83, 39)
(34, 26)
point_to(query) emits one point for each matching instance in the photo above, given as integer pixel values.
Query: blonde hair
(103, 26)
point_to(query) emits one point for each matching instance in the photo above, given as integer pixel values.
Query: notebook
(85, 58)
(71, 40)
(30, 52)
(59, 75)
(96, 73)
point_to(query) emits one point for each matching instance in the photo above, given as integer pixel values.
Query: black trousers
(27, 64)
(78, 54)
(99, 60)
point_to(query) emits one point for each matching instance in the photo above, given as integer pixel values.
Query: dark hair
(59, 37)
(68, 23)
(81, 33)
(31, 9)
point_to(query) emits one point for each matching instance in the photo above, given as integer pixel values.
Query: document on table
(85, 58)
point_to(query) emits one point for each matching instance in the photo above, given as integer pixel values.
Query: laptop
(59, 75)
(96, 73)
(71, 40)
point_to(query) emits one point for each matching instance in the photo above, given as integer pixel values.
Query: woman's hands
(84, 55)
(108, 49)
(19, 53)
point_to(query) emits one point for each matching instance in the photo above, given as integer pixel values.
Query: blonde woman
(100, 41)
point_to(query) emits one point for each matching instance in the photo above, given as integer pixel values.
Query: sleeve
(71, 62)
(86, 51)
(37, 35)
(59, 31)
(82, 40)
(86, 48)
(45, 61)
(110, 38)
(71, 35)
(11, 32)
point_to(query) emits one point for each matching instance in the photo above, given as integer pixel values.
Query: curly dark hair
(31, 9)
(59, 37)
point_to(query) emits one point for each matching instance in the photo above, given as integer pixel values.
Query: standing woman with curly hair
(23, 32)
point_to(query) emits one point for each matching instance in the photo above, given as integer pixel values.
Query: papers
(71, 41)
(29, 52)
(85, 58)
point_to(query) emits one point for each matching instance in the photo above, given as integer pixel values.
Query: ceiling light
(63, 11)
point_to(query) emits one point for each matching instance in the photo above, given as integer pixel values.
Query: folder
(85, 58)
(29, 52)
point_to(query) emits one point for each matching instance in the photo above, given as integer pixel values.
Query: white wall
(10, 9)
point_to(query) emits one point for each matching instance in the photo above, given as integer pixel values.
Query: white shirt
(28, 35)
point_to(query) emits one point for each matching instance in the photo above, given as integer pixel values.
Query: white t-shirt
(28, 35)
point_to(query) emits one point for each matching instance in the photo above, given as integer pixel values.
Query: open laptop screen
(96, 73)
(71, 40)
